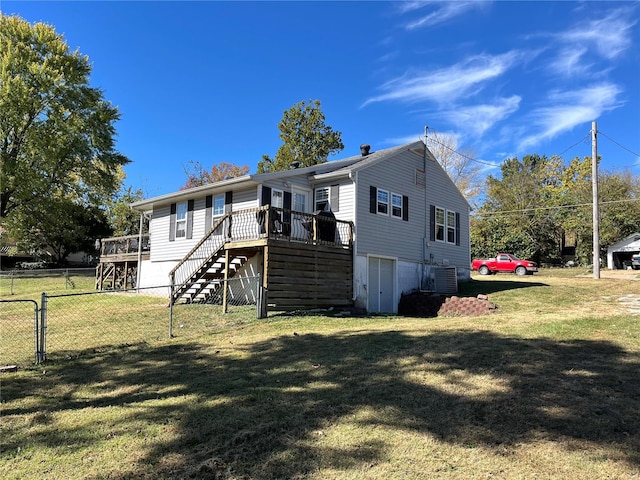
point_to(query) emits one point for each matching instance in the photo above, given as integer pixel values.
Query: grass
(544, 388)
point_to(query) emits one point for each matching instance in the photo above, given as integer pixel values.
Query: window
(451, 227)
(322, 198)
(383, 202)
(277, 198)
(440, 224)
(181, 220)
(299, 202)
(396, 205)
(218, 205)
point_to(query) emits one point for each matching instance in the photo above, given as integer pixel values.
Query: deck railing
(264, 222)
(127, 245)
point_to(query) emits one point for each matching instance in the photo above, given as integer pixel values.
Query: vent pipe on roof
(364, 149)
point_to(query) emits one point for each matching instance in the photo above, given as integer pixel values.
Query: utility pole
(596, 212)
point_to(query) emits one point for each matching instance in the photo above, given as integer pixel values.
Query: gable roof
(322, 171)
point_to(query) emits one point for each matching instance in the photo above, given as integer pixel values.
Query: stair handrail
(209, 248)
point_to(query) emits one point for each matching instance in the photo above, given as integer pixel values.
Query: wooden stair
(208, 280)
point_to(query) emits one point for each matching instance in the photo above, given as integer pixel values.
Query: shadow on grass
(257, 410)
(474, 287)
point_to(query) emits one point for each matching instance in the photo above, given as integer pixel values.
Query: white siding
(161, 248)
(245, 199)
(346, 198)
(385, 235)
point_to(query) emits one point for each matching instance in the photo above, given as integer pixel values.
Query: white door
(380, 285)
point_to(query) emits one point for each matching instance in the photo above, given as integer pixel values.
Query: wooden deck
(306, 260)
(118, 266)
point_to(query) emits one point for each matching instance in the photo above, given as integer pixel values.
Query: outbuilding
(619, 254)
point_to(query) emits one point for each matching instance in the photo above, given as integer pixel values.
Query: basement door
(380, 285)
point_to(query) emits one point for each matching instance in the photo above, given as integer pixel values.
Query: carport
(619, 253)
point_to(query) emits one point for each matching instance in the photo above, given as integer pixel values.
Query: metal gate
(21, 339)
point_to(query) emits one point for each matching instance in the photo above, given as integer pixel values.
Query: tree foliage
(540, 205)
(461, 166)
(122, 218)
(197, 175)
(60, 227)
(306, 139)
(56, 131)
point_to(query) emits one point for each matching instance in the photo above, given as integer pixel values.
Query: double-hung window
(440, 224)
(445, 225)
(451, 227)
(277, 198)
(383, 202)
(321, 199)
(396, 205)
(218, 205)
(181, 220)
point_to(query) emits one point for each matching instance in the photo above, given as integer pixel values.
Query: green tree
(516, 216)
(306, 139)
(56, 131)
(60, 226)
(197, 175)
(122, 218)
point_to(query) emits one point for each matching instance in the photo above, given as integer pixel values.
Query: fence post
(42, 350)
(36, 332)
(171, 305)
(12, 275)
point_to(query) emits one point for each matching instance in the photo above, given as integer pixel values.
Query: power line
(621, 146)
(557, 207)
(582, 140)
(431, 139)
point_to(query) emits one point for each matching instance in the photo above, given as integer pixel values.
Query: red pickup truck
(504, 262)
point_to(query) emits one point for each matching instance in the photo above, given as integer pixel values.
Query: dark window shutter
(228, 200)
(432, 223)
(457, 228)
(405, 208)
(266, 195)
(208, 212)
(334, 200)
(172, 223)
(190, 205)
(373, 199)
(286, 204)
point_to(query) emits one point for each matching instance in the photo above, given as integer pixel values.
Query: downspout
(426, 212)
(139, 253)
(354, 247)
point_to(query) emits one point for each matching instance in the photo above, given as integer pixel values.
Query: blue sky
(209, 81)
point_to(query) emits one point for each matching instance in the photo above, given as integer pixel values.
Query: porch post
(225, 282)
(139, 266)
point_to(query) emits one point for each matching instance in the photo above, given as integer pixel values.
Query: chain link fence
(65, 325)
(19, 333)
(25, 282)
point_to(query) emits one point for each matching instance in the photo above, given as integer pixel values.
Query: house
(359, 231)
(619, 254)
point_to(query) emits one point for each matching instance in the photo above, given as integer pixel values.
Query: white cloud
(608, 36)
(446, 84)
(443, 12)
(569, 109)
(569, 62)
(477, 119)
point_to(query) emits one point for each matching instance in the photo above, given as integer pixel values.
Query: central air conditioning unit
(439, 279)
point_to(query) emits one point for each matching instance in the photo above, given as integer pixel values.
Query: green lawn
(544, 388)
